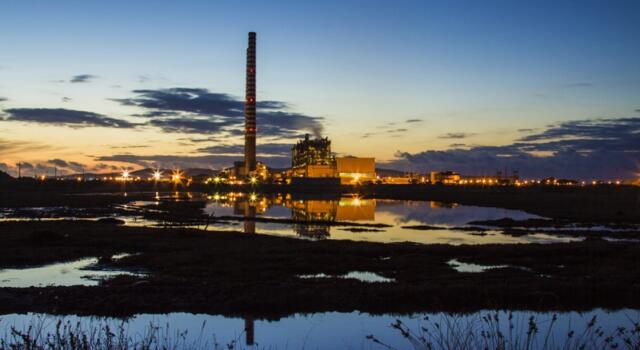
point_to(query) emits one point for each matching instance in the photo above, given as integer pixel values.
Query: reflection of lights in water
(157, 196)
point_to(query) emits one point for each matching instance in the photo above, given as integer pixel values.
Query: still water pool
(352, 330)
(405, 220)
(426, 222)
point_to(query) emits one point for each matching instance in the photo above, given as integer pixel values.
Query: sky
(549, 88)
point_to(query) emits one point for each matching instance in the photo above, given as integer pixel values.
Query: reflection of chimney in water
(249, 213)
(249, 330)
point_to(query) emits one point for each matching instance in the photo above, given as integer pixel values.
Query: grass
(77, 336)
(493, 331)
(489, 331)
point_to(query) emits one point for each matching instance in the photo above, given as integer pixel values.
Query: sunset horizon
(79, 96)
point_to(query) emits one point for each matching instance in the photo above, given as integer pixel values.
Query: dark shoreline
(237, 274)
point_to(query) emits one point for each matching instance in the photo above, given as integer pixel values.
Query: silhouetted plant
(485, 333)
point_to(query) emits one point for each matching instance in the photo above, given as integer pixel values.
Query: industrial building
(444, 177)
(355, 170)
(313, 159)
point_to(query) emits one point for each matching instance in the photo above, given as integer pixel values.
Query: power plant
(250, 108)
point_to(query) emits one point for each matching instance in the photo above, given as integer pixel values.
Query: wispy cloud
(456, 135)
(13, 147)
(67, 165)
(204, 161)
(82, 78)
(264, 149)
(64, 117)
(579, 84)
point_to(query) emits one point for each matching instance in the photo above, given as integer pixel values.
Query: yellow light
(157, 175)
(176, 176)
(253, 180)
(253, 197)
(125, 175)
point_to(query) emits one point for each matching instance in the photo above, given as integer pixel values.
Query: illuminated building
(354, 170)
(444, 177)
(313, 159)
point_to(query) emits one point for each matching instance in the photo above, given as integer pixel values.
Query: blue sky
(471, 74)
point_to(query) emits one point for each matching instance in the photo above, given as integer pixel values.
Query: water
(333, 330)
(83, 272)
(362, 276)
(449, 220)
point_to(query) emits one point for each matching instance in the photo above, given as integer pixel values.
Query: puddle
(477, 268)
(362, 276)
(83, 272)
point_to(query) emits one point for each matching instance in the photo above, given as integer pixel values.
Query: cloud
(605, 148)
(64, 117)
(205, 161)
(67, 165)
(456, 135)
(3, 99)
(58, 162)
(25, 165)
(82, 78)
(267, 149)
(66, 99)
(128, 146)
(413, 121)
(638, 110)
(13, 146)
(526, 130)
(197, 110)
(189, 126)
(580, 84)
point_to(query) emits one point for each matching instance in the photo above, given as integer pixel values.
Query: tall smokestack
(250, 107)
